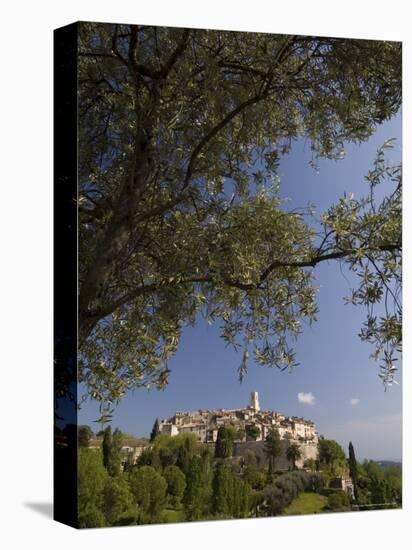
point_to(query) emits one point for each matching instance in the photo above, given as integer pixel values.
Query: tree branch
(312, 262)
(215, 130)
(154, 287)
(180, 48)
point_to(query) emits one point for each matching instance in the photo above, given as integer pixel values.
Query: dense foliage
(224, 442)
(111, 447)
(273, 449)
(149, 489)
(278, 495)
(193, 485)
(293, 453)
(331, 456)
(84, 435)
(379, 487)
(181, 132)
(338, 501)
(253, 431)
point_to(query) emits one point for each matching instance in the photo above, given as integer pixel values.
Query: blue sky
(349, 400)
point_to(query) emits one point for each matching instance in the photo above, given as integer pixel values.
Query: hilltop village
(252, 427)
(206, 423)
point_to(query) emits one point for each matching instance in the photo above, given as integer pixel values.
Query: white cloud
(307, 398)
(354, 401)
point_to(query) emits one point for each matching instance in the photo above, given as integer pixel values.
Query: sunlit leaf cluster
(369, 233)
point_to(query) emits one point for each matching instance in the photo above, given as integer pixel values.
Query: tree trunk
(112, 243)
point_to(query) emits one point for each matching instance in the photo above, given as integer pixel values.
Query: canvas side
(65, 274)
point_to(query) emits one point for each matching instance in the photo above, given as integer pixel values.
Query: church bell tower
(254, 401)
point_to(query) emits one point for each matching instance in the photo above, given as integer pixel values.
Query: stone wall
(258, 448)
(241, 449)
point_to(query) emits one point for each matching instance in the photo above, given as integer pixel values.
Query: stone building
(205, 423)
(344, 483)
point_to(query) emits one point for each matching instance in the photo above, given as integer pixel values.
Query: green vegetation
(311, 464)
(277, 496)
(306, 503)
(229, 493)
(178, 479)
(253, 431)
(293, 454)
(170, 515)
(272, 450)
(181, 132)
(112, 443)
(92, 477)
(224, 442)
(118, 502)
(379, 487)
(176, 484)
(338, 501)
(353, 470)
(149, 489)
(331, 457)
(84, 435)
(253, 477)
(196, 495)
(155, 430)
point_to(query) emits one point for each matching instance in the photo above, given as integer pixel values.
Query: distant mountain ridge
(388, 463)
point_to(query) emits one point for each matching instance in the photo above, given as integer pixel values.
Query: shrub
(149, 490)
(118, 502)
(176, 484)
(287, 487)
(338, 501)
(91, 517)
(253, 477)
(316, 482)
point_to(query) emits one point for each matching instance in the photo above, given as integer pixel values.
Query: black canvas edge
(65, 508)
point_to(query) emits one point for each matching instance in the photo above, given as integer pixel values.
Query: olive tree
(180, 135)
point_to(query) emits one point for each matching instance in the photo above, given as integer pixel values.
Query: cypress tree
(353, 470)
(239, 501)
(115, 459)
(112, 444)
(183, 459)
(221, 486)
(185, 453)
(224, 443)
(107, 447)
(193, 495)
(155, 430)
